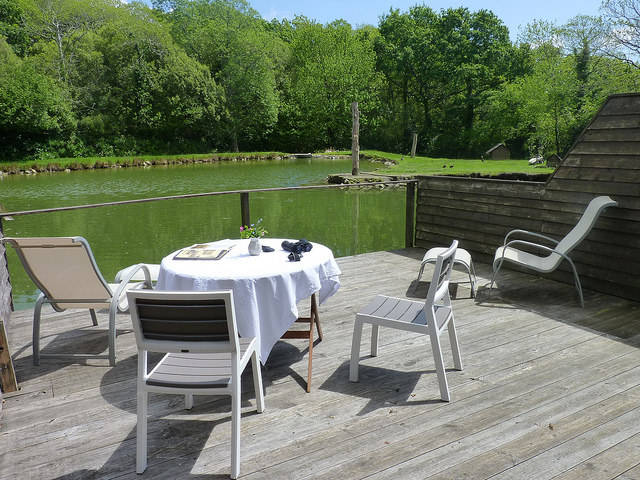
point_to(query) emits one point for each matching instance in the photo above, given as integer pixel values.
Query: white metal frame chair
(554, 255)
(430, 317)
(65, 271)
(203, 355)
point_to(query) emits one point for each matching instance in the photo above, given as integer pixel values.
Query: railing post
(410, 214)
(8, 381)
(6, 296)
(244, 208)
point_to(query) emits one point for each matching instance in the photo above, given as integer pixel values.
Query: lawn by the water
(448, 166)
(402, 164)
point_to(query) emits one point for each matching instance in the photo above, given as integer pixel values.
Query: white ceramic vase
(255, 246)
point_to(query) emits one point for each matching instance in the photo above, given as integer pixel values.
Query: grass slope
(447, 166)
(403, 165)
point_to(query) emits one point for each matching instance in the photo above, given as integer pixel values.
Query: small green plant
(255, 230)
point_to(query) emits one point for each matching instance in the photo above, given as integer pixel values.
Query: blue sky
(358, 12)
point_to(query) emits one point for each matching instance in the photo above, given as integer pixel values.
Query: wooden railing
(244, 213)
(244, 202)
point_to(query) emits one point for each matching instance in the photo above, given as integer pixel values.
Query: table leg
(314, 312)
(314, 321)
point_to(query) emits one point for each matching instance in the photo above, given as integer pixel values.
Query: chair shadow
(559, 302)
(385, 388)
(171, 442)
(91, 340)
(419, 289)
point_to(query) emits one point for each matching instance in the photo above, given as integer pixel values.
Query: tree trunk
(405, 109)
(414, 144)
(63, 65)
(469, 108)
(234, 142)
(557, 129)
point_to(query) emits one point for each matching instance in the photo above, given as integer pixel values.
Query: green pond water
(349, 221)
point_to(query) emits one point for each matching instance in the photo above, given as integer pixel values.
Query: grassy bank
(63, 164)
(396, 164)
(405, 165)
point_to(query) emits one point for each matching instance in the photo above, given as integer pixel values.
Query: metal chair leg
(577, 282)
(35, 340)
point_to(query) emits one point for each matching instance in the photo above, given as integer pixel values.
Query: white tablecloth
(266, 288)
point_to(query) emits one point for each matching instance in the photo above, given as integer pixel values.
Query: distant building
(498, 152)
(554, 160)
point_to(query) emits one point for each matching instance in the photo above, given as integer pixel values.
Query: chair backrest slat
(445, 270)
(183, 321)
(196, 321)
(439, 287)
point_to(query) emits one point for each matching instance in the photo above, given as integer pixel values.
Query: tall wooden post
(245, 216)
(410, 215)
(414, 144)
(355, 139)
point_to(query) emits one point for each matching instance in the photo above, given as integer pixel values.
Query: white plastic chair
(65, 271)
(204, 355)
(554, 255)
(431, 318)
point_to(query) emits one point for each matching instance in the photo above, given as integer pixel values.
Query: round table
(266, 287)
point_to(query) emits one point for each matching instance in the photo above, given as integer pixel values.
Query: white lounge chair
(554, 255)
(204, 355)
(65, 271)
(430, 317)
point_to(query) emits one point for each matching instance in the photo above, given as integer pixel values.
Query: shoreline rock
(125, 163)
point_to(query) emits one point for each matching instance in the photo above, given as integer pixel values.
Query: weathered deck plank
(549, 389)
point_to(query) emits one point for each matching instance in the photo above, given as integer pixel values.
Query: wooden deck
(549, 390)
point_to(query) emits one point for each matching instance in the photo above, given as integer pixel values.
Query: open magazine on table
(203, 251)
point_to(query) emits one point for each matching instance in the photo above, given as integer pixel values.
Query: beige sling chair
(66, 273)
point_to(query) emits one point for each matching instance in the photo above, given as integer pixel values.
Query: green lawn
(404, 165)
(447, 166)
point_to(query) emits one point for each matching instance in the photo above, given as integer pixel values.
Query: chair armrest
(119, 299)
(528, 233)
(153, 271)
(125, 276)
(535, 245)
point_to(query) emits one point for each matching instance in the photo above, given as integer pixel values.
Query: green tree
(395, 49)
(439, 66)
(243, 55)
(33, 107)
(64, 23)
(12, 27)
(151, 88)
(331, 67)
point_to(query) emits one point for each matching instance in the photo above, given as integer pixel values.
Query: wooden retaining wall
(605, 160)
